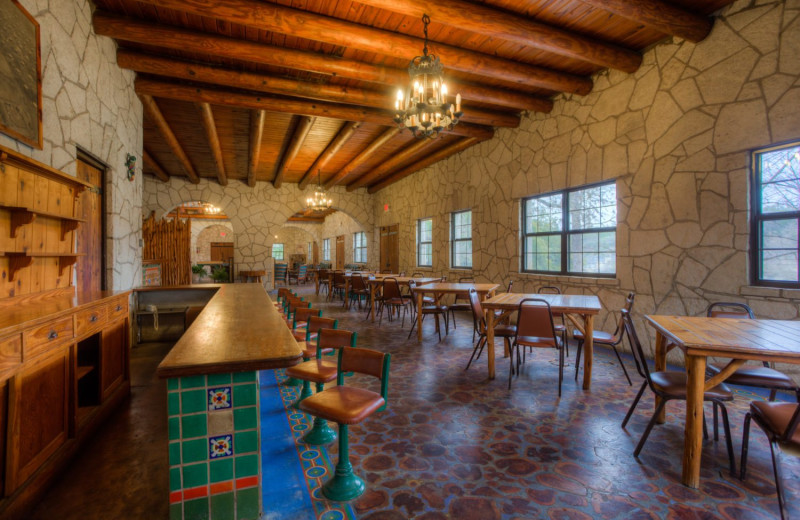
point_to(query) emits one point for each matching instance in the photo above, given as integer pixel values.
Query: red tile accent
(174, 497)
(246, 482)
(197, 492)
(221, 487)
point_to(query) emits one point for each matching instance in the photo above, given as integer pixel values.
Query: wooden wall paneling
(25, 189)
(89, 206)
(9, 176)
(113, 356)
(6, 242)
(38, 278)
(168, 242)
(40, 194)
(3, 426)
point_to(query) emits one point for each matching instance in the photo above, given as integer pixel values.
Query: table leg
(693, 433)
(418, 296)
(316, 284)
(588, 350)
(372, 289)
(660, 365)
(346, 292)
(490, 341)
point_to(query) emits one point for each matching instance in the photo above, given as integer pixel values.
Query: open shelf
(21, 216)
(18, 260)
(82, 371)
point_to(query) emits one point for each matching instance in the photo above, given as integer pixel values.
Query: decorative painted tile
(219, 398)
(221, 446)
(220, 421)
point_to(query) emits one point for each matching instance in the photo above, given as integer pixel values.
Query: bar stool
(310, 348)
(348, 405)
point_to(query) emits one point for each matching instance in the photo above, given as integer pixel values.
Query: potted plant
(220, 275)
(197, 272)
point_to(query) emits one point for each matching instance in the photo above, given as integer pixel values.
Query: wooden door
(221, 251)
(90, 271)
(315, 256)
(113, 356)
(340, 252)
(390, 249)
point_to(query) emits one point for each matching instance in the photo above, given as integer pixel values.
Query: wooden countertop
(239, 330)
(27, 311)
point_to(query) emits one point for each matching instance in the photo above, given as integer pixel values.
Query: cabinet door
(38, 415)
(114, 355)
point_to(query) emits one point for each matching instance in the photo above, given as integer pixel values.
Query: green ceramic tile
(174, 428)
(246, 441)
(172, 383)
(174, 453)
(193, 382)
(176, 511)
(196, 509)
(223, 507)
(219, 379)
(195, 475)
(194, 425)
(221, 470)
(244, 418)
(193, 401)
(195, 450)
(174, 403)
(244, 377)
(175, 479)
(247, 503)
(246, 466)
(244, 395)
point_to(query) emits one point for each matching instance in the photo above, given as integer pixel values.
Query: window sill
(769, 292)
(572, 280)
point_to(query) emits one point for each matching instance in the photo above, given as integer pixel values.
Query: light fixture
(423, 108)
(319, 201)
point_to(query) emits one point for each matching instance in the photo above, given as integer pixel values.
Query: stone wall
(295, 240)
(89, 102)
(206, 231)
(676, 135)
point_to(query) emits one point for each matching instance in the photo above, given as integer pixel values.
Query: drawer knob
(52, 335)
(93, 318)
(119, 307)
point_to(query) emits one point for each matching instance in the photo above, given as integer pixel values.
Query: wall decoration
(20, 75)
(130, 164)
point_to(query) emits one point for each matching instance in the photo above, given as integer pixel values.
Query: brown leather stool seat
(315, 370)
(760, 376)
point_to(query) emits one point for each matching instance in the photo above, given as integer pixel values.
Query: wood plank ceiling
(281, 90)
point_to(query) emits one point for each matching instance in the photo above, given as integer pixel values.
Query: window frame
(362, 247)
(283, 251)
(326, 249)
(454, 240)
(757, 218)
(565, 233)
(421, 243)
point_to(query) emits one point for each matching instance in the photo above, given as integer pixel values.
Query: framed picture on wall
(20, 75)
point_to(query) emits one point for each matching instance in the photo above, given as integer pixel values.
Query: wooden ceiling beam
(396, 160)
(318, 27)
(167, 37)
(516, 28)
(365, 154)
(332, 149)
(257, 119)
(194, 94)
(210, 127)
(298, 138)
(155, 115)
(444, 153)
(173, 68)
(151, 161)
(660, 15)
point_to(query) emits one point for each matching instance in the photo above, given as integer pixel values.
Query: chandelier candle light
(319, 201)
(423, 108)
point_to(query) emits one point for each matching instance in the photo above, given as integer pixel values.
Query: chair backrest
(301, 272)
(416, 274)
(296, 303)
(280, 271)
(535, 319)
(284, 292)
(335, 338)
(338, 277)
(323, 275)
(510, 286)
(365, 361)
(466, 279)
(628, 307)
(317, 323)
(636, 347)
(391, 288)
(548, 289)
(302, 315)
(357, 282)
(478, 317)
(730, 310)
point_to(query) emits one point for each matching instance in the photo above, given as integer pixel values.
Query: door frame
(90, 159)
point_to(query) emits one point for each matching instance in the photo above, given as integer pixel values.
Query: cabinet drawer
(10, 352)
(117, 308)
(90, 320)
(41, 338)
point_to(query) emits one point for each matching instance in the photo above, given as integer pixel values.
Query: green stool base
(306, 392)
(320, 434)
(291, 381)
(342, 488)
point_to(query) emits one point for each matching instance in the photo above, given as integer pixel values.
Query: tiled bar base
(214, 449)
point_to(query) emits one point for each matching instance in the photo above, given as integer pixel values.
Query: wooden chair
(669, 386)
(600, 337)
(779, 423)
(560, 327)
(324, 280)
(280, 273)
(392, 298)
(301, 276)
(429, 307)
(479, 324)
(283, 293)
(321, 371)
(338, 286)
(535, 329)
(300, 321)
(348, 405)
(358, 290)
(309, 347)
(460, 303)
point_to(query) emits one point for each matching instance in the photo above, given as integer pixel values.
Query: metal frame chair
(600, 337)
(535, 329)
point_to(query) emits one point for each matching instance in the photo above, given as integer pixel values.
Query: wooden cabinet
(113, 357)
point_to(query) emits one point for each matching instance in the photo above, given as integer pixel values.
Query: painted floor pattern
(454, 444)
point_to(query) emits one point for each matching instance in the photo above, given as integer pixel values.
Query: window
(461, 234)
(326, 249)
(310, 250)
(425, 242)
(571, 232)
(360, 247)
(776, 216)
(277, 251)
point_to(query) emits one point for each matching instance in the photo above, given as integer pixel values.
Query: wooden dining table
(438, 289)
(377, 281)
(573, 306)
(699, 338)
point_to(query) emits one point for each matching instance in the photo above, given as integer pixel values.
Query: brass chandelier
(319, 201)
(424, 108)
